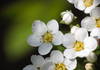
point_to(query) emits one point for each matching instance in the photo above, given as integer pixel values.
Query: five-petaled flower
(57, 61)
(45, 36)
(78, 43)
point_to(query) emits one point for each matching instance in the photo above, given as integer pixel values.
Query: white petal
(90, 43)
(48, 66)
(56, 57)
(83, 53)
(73, 29)
(47, 59)
(45, 48)
(39, 27)
(96, 3)
(53, 26)
(71, 1)
(88, 9)
(70, 53)
(69, 40)
(92, 57)
(29, 67)
(89, 23)
(57, 38)
(79, 4)
(95, 33)
(95, 12)
(70, 64)
(34, 40)
(37, 60)
(81, 34)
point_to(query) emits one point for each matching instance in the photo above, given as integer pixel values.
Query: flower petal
(70, 53)
(95, 12)
(83, 53)
(47, 59)
(73, 29)
(89, 23)
(48, 66)
(34, 40)
(56, 57)
(70, 64)
(88, 9)
(53, 26)
(95, 33)
(79, 4)
(71, 1)
(69, 40)
(90, 43)
(45, 48)
(39, 27)
(57, 38)
(37, 60)
(29, 67)
(81, 34)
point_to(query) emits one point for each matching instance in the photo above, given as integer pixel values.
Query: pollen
(88, 3)
(47, 37)
(78, 46)
(98, 23)
(60, 67)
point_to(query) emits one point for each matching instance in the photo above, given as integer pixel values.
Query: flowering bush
(71, 50)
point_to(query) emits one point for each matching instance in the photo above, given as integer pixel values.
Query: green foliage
(97, 51)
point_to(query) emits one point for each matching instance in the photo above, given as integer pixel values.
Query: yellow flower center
(98, 23)
(60, 67)
(78, 46)
(47, 37)
(88, 3)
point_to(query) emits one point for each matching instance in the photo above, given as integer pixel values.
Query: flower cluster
(79, 42)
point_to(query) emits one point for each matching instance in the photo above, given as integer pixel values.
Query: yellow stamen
(88, 3)
(47, 37)
(98, 23)
(78, 46)
(60, 67)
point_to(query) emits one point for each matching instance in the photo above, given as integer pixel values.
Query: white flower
(91, 57)
(85, 5)
(37, 62)
(67, 17)
(78, 44)
(93, 21)
(58, 62)
(44, 36)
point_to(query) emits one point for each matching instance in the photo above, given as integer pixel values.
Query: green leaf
(60, 48)
(97, 51)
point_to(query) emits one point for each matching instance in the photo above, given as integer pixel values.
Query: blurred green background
(16, 17)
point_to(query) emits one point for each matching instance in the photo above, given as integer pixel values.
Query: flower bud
(89, 66)
(67, 17)
(91, 57)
